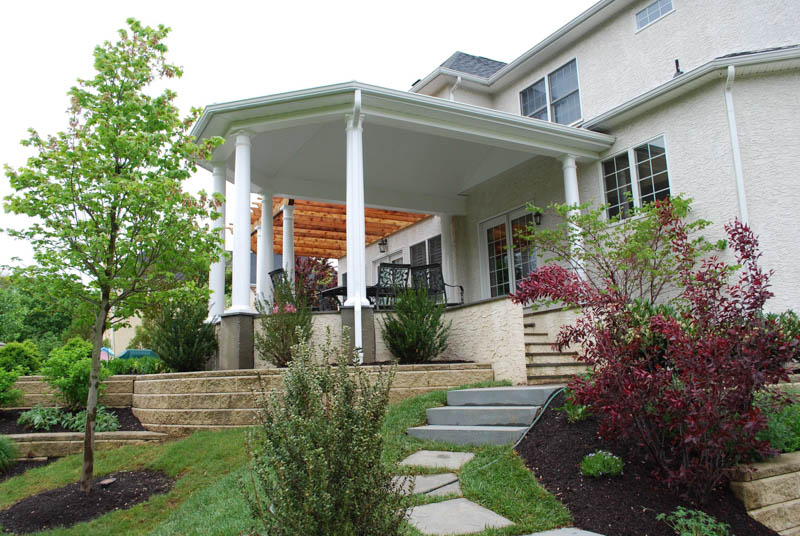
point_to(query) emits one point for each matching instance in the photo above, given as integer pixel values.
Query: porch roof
(421, 153)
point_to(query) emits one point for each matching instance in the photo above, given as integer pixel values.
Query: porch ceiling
(420, 153)
(320, 228)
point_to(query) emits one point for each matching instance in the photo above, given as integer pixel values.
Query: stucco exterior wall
(539, 181)
(616, 62)
(769, 139)
(487, 332)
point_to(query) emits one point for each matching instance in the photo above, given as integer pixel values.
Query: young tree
(113, 225)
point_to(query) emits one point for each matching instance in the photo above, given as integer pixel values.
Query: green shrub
(40, 418)
(8, 453)
(68, 370)
(415, 332)
(284, 323)
(687, 522)
(20, 355)
(783, 428)
(575, 412)
(106, 421)
(181, 336)
(9, 396)
(601, 463)
(139, 365)
(315, 460)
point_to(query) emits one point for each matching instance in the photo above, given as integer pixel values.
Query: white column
(448, 253)
(241, 227)
(266, 250)
(288, 241)
(356, 268)
(216, 276)
(571, 195)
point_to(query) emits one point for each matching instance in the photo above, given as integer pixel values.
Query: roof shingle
(475, 65)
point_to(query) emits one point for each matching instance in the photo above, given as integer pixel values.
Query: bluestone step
(469, 435)
(482, 415)
(501, 396)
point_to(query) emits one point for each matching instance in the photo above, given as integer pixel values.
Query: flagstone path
(454, 516)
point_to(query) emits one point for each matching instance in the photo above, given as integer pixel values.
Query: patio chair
(430, 277)
(277, 276)
(392, 280)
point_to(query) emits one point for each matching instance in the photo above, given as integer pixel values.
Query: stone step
(559, 359)
(553, 381)
(555, 369)
(482, 415)
(500, 396)
(469, 435)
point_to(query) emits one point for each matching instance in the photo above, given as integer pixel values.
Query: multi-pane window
(652, 13)
(565, 102)
(617, 180)
(534, 101)
(507, 257)
(627, 186)
(651, 167)
(524, 257)
(558, 100)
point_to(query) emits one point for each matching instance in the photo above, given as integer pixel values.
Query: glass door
(506, 257)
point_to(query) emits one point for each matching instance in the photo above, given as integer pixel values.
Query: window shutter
(418, 257)
(435, 249)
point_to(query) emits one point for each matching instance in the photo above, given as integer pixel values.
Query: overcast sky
(235, 49)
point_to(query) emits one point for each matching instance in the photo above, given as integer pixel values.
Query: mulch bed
(8, 422)
(626, 505)
(22, 466)
(66, 506)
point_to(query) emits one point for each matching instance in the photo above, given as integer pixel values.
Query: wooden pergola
(320, 228)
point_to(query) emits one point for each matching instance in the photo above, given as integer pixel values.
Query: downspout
(737, 154)
(454, 88)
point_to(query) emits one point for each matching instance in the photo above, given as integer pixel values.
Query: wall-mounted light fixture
(537, 218)
(383, 245)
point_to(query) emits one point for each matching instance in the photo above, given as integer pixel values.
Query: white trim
(735, 150)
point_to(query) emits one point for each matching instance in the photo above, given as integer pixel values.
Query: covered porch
(369, 147)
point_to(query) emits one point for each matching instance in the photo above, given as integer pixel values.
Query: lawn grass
(206, 499)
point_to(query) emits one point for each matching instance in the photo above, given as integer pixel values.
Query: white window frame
(636, 18)
(549, 104)
(634, 169)
(505, 218)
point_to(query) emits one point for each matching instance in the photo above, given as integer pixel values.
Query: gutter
(737, 154)
(715, 68)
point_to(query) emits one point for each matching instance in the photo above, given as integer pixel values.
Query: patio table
(340, 293)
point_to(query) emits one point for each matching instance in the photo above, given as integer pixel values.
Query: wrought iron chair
(430, 277)
(392, 280)
(276, 276)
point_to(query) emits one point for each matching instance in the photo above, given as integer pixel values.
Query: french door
(506, 258)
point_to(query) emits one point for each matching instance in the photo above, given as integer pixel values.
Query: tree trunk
(91, 404)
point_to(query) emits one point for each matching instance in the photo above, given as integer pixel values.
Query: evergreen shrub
(182, 337)
(415, 331)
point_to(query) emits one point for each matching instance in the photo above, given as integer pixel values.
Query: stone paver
(456, 516)
(454, 487)
(426, 483)
(439, 459)
(569, 531)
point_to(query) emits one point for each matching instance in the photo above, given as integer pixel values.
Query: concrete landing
(456, 516)
(438, 459)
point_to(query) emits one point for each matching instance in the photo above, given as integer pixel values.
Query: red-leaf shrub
(678, 378)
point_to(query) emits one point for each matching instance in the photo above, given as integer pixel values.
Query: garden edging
(771, 492)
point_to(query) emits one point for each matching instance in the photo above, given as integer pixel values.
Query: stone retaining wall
(53, 445)
(771, 493)
(118, 393)
(180, 403)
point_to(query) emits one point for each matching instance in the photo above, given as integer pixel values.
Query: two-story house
(631, 100)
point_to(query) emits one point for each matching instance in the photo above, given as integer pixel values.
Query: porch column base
(236, 341)
(367, 330)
